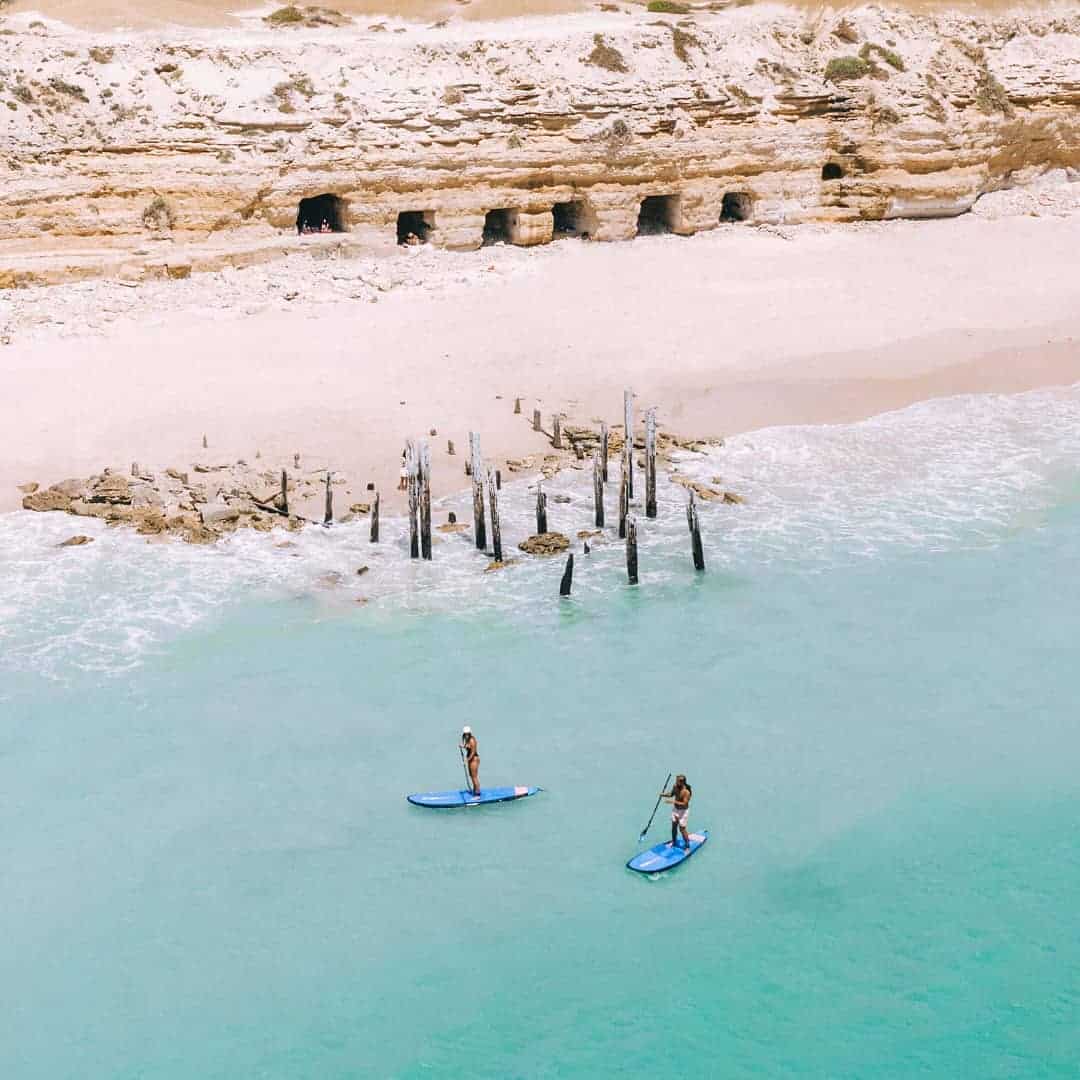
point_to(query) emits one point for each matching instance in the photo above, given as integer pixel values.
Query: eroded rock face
(521, 134)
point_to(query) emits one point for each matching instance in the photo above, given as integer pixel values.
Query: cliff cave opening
(322, 213)
(736, 206)
(658, 215)
(831, 171)
(497, 227)
(573, 219)
(414, 226)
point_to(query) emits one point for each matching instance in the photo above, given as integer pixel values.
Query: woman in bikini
(472, 758)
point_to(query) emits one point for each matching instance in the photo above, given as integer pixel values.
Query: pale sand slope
(726, 331)
(104, 15)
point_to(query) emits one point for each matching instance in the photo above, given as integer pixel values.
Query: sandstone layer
(157, 153)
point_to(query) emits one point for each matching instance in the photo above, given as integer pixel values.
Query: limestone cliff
(137, 153)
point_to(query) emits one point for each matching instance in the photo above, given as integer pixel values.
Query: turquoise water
(212, 870)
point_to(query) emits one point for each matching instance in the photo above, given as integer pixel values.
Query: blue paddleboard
(660, 857)
(444, 800)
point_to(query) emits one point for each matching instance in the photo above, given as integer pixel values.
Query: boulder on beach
(30, 488)
(49, 499)
(219, 513)
(549, 543)
(113, 489)
(76, 541)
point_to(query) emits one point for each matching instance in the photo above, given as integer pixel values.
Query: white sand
(726, 331)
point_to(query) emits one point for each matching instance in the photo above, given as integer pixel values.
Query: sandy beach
(723, 332)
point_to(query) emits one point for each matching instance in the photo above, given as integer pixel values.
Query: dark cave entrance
(736, 206)
(497, 227)
(831, 171)
(414, 226)
(322, 213)
(572, 219)
(658, 215)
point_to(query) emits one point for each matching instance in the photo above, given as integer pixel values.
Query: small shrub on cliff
(846, 32)
(70, 89)
(894, 60)
(991, 96)
(158, 215)
(286, 16)
(22, 93)
(668, 7)
(681, 40)
(842, 68)
(605, 56)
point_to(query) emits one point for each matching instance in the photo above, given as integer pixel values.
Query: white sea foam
(940, 475)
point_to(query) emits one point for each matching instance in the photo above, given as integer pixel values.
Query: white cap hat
(466, 730)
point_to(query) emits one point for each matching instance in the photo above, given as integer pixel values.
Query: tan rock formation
(162, 154)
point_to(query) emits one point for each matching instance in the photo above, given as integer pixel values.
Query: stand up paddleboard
(448, 800)
(660, 857)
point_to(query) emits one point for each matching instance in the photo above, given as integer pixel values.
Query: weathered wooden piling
(568, 576)
(631, 550)
(296, 461)
(650, 463)
(517, 406)
(536, 420)
(628, 444)
(134, 468)
(498, 479)
(496, 530)
(425, 501)
(695, 532)
(411, 467)
(205, 444)
(450, 447)
(541, 508)
(604, 450)
(624, 500)
(328, 516)
(284, 492)
(375, 519)
(477, 471)
(598, 488)
(556, 431)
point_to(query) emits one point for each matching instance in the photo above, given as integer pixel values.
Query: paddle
(654, 809)
(465, 768)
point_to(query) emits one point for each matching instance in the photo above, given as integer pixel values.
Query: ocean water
(211, 870)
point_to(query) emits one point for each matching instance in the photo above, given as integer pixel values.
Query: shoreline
(727, 331)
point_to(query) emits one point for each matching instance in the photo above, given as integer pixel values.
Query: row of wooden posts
(418, 471)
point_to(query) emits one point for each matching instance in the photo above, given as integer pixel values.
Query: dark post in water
(568, 576)
(650, 463)
(284, 491)
(328, 516)
(628, 445)
(476, 467)
(598, 488)
(604, 450)
(541, 508)
(536, 420)
(425, 501)
(624, 500)
(695, 532)
(375, 520)
(556, 431)
(631, 549)
(496, 531)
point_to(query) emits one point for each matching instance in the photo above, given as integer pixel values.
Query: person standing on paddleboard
(472, 757)
(679, 796)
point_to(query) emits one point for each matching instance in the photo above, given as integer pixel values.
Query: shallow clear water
(212, 871)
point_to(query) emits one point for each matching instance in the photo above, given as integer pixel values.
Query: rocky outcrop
(159, 155)
(549, 543)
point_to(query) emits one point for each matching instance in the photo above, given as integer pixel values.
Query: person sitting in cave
(325, 226)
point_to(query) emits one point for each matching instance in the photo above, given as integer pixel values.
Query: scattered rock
(29, 489)
(731, 497)
(549, 543)
(110, 489)
(360, 570)
(218, 514)
(76, 541)
(495, 565)
(559, 498)
(49, 499)
(452, 527)
(588, 534)
(144, 497)
(360, 508)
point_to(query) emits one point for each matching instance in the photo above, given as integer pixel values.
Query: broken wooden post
(375, 520)
(296, 461)
(695, 532)
(536, 420)
(328, 516)
(568, 576)
(517, 406)
(650, 463)
(556, 431)
(425, 501)
(598, 489)
(204, 442)
(624, 500)
(477, 471)
(541, 508)
(450, 447)
(134, 468)
(604, 450)
(496, 531)
(628, 444)
(413, 474)
(284, 492)
(631, 549)
(498, 479)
